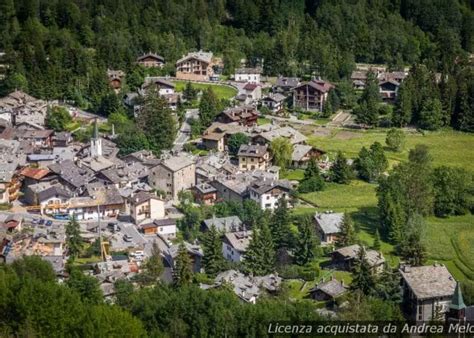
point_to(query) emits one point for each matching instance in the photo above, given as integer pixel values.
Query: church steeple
(96, 142)
(457, 308)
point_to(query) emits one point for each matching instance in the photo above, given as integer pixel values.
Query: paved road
(185, 130)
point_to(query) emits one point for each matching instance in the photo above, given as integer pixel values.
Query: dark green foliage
(156, 121)
(312, 180)
(57, 118)
(132, 141)
(364, 279)
(235, 141)
(189, 92)
(305, 243)
(407, 191)
(371, 163)
(340, 171)
(153, 267)
(402, 114)
(431, 115)
(347, 236)
(371, 308)
(213, 260)
(467, 288)
(453, 191)
(395, 139)
(367, 111)
(73, 238)
(86, 286)
(411, 247)
(280, 223)
(209, 107)
(183, 273)
(388, 285)
(281, 149)
(260, 254)
(33, 304)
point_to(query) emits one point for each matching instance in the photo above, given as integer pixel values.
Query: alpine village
(205, 168)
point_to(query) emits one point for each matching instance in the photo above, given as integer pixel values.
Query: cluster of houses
(128, 203)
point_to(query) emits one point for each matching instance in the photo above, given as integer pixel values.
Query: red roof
(34, 173)
(250, 86)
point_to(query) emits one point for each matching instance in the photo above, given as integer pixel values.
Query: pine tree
(368, 110)
(153, 266)
(259, 258)
(340, 171)
(156, 121)
(364, 279)
(280, 225)
(347, 234)
(208, 107)
(377, 243)
(312, 181)
(183, 273)
(412, 248)
(388, 285)
(403, 106)
(73, 238)
(212, 247)
(304, 251)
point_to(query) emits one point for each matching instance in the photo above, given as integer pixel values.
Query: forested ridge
(61, 48)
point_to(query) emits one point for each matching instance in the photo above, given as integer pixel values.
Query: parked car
(49, 223)
(41, 221)
(63, 217)
(35, 221)
(127, 238)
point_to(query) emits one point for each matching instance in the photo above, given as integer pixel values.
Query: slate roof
(299, 151)
(176, 163)
(262, 187)
(239, 240)
(104, 194)
(158, 80)
(373, 257)
(275, 97)
(287, 82)
(332, 288)
(431, 281)
(205, 188)
(330, 223)
(319, 85)
(201, 56)
(52, 192)
(225, 224)
(142, 196)
(250, 86)
(287, 132)
(72, 174)
(252, 150)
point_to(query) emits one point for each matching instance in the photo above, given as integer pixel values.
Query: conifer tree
(312, 181)
(212, 246)
(347, 234)
(153, 266)
(340, 171)
(183, 273)
(412, 248)
(260, 255)
(156, 121)
(367, 111)
(364, 279)
(280, 225)
(304, 251)
(73, 238)
(208, 107)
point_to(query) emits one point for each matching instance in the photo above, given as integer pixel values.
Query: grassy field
(293, 175)
(263, 120)
(222, 92)
(447, 147)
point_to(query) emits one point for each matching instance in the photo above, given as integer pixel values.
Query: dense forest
(61, 48)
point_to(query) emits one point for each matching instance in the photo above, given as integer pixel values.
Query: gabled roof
(275, 97)
(248, 71)
(250, 86)
(225, 224)
(287, 82)
(252, 150)
(52, 192)
(319, 85)
(330, 223)
(332, 288)
(34, 173)
(201, 56)
(152, 55)
(431, 281)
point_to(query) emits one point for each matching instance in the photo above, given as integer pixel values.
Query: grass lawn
(222, 92)
(340, 197)
(263, 120)
(447, 147)
(73, 125)
(293, 175)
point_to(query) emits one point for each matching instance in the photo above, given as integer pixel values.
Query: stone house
(195, 66)
(253, 157)
(172, 175)
(312, 95)
(151, 60)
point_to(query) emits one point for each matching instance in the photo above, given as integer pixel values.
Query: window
(268, 197)
(268, 205)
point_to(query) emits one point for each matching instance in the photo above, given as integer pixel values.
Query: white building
(234, 245)
(267, 194)
(251, 75)
(144, 205)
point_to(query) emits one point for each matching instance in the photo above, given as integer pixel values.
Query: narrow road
(185, 131)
